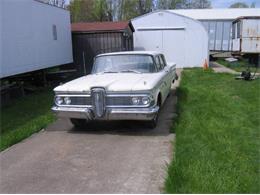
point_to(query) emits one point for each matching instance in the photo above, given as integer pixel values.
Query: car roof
(131, 53)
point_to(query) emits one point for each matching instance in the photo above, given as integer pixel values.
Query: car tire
(153, 123)
(79, 123)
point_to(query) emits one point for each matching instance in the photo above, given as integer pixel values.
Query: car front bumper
(110, 114)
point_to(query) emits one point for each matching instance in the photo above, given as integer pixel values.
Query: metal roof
(99, 26)
(217, 14)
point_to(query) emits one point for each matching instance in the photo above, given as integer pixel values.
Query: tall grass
(217, 148)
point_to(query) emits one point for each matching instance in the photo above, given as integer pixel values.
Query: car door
(163, 81)
(168, 77)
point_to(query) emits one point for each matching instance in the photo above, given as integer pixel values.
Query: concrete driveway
(114, 157)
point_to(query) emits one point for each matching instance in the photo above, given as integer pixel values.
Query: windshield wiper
(135, 71)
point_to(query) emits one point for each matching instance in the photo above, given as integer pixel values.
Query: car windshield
(124, 63)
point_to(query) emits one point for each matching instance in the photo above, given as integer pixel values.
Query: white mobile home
(33, 36)
(218, 23)
(182, 40)
(246, 35)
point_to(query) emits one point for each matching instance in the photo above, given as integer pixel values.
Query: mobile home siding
(218, 23)
(219, 34)
(246, 36)
(28, 37)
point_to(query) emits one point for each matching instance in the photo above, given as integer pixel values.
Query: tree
(145, 6)
(197, 4)
(183, 4)
(239, 5)
(252, 5)
(201, 4)
(100, 11)
(89, 11)
(170, 4)
(129, 9)
(80, 10)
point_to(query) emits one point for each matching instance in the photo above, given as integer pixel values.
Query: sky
(222, 3)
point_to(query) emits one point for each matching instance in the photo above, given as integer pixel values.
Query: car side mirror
(171, 65)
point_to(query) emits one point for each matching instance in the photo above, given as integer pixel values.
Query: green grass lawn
(239, 66)
(24, 117)
(217, 147)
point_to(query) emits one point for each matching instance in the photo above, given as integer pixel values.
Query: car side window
(163, 60)
(158, 63)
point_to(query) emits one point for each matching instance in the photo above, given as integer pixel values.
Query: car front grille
(118, 101)
(110, 100)
(81, 100)
(98, 96)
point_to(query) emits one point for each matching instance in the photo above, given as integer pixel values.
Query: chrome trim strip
(111, 114)
(136, 111)
(74, 106)
(130, 106)
(72, 95)
(107, 95)
(127, 95)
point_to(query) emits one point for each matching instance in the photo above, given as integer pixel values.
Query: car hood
(111, 82)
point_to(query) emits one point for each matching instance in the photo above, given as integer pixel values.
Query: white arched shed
(182, 40)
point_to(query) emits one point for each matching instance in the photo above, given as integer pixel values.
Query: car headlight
(67, 100)
(135, 100)
(58, 100)
(146, 100)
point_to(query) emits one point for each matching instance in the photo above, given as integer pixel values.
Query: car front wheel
(153, 123)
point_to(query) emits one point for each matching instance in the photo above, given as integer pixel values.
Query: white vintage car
(122, 86)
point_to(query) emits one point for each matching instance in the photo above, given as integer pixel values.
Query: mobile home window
(238, 29)
(54, 32)
(234, 31)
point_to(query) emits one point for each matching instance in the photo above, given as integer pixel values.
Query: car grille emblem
(98, 101)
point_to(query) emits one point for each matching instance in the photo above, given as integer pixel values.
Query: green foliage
(252, 5)
(111, 10)
(239, 66)
(134, 8)
(182, 4)
(89, 11)
(100, 11)
(129, 9)
(239, 5)
(217, 135)
(199, 4)
(24, 117)
(108, 10)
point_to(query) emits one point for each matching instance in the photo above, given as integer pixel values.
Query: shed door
(168, 41)
(149, 40)
(173, 44)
